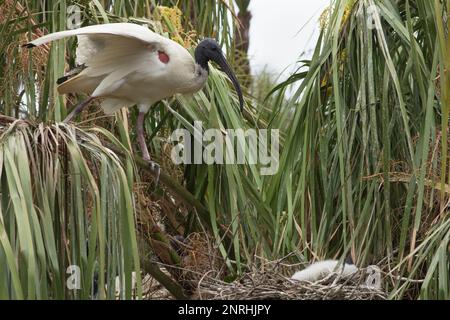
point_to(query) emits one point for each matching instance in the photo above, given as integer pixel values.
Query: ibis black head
(209, 50)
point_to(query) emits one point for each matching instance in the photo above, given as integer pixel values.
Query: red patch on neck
(163, 57)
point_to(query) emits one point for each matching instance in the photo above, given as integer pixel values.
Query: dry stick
(9, 120)
(167, 282)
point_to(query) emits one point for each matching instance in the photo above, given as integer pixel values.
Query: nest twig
(271, 285)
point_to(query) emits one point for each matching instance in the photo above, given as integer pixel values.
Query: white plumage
(122, 65)
(126, 64)
(320, 270)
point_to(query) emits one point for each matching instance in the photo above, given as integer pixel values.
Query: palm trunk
(242, 43)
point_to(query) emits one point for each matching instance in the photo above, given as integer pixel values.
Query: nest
(200, 258)
(153, 290)
(270, 285)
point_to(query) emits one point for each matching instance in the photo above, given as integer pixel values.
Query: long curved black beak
(223, 64)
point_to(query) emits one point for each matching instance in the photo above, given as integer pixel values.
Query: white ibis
(126, 64)
(322, 269)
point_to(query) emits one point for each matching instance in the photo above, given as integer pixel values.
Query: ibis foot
(155, 169)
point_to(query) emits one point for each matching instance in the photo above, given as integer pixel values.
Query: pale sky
(281, 30)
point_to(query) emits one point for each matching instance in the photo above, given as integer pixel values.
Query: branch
(187, 197)
(152, 268)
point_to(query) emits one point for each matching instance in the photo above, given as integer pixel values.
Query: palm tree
(242, 38)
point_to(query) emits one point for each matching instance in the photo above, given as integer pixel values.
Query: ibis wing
(109, 52)
(108, 59)
(119, 60)
(126, 30)
(111, 105)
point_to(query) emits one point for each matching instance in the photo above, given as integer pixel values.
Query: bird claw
(155, 169)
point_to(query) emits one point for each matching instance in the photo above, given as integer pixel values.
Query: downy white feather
(320, 270)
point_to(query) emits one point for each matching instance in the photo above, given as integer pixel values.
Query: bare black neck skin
(201, 59)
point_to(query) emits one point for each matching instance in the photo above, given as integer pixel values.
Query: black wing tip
(28, 45)
(62, 80)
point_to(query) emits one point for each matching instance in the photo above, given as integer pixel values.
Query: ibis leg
(78, 108)
(143, 146)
